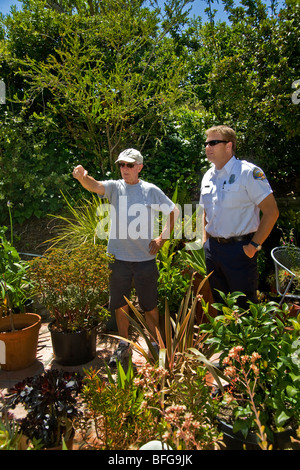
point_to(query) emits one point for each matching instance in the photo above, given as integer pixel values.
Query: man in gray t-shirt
(134, 205)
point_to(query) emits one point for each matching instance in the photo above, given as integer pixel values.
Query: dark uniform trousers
(232, 269)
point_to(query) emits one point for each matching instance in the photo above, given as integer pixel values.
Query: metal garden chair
(286, 258)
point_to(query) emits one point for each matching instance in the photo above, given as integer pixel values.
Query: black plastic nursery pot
(73, 348)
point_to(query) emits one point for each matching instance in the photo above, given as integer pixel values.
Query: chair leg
(286, 290)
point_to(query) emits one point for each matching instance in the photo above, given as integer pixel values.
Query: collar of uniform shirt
(226, 168)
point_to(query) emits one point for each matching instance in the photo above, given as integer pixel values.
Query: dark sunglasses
(212, 143)
(129, 165)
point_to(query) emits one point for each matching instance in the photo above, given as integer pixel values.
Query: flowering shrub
(73, 285)
(175, 408)
(188, 410)
(243, 371)
(269, 366)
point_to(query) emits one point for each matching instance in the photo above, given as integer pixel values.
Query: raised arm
(88, 182)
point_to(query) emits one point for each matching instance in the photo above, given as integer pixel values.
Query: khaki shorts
(141, 275)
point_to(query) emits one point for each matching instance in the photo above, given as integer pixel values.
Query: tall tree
(246, 71)
(85, 77)
(112, 78)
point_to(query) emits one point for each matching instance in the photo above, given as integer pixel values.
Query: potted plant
(173, 407)
(73, 286)
(18, 331)
(259, 349)
(50, 400)
(194, 259)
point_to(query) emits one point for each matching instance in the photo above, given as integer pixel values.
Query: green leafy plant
(14, 280)
(175, 408)
(51, 405)
(188, 411)
(266, 331)
(181, 336)
(172, 281)
(116, 408)
(10, 435)
(73, 285)
(85, 222)
(194, 258)
(243, 370)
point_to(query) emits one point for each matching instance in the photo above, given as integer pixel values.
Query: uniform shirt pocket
(231, 195)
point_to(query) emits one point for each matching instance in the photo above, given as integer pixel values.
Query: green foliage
(177, 160)
(175, 408)
(34, 167)
(181, 339)
(289, 224)
(268, 332)
(172, 281)
(105, 83)
(9, 434)
(250, 84)
(85, 222)
(189, 409)
(75, 87)
(73, 285)
(120, 419)
(14, 282)
(84, 80)
(193, 257)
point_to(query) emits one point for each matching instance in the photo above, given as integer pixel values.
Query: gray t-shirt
(134, 213)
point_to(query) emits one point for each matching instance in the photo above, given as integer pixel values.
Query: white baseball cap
(130, 156)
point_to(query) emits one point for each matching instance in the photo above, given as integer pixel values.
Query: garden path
(45, 360)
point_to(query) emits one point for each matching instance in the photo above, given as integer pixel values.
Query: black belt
(226, 241)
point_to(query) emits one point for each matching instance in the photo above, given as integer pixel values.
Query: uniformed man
(240, 211)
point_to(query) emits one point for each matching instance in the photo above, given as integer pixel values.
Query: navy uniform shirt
(230, 197)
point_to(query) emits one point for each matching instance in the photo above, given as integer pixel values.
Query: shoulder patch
(258, 174)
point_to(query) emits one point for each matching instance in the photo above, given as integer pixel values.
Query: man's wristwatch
(257, 246)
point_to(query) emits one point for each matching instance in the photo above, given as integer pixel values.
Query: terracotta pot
(18, 348)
